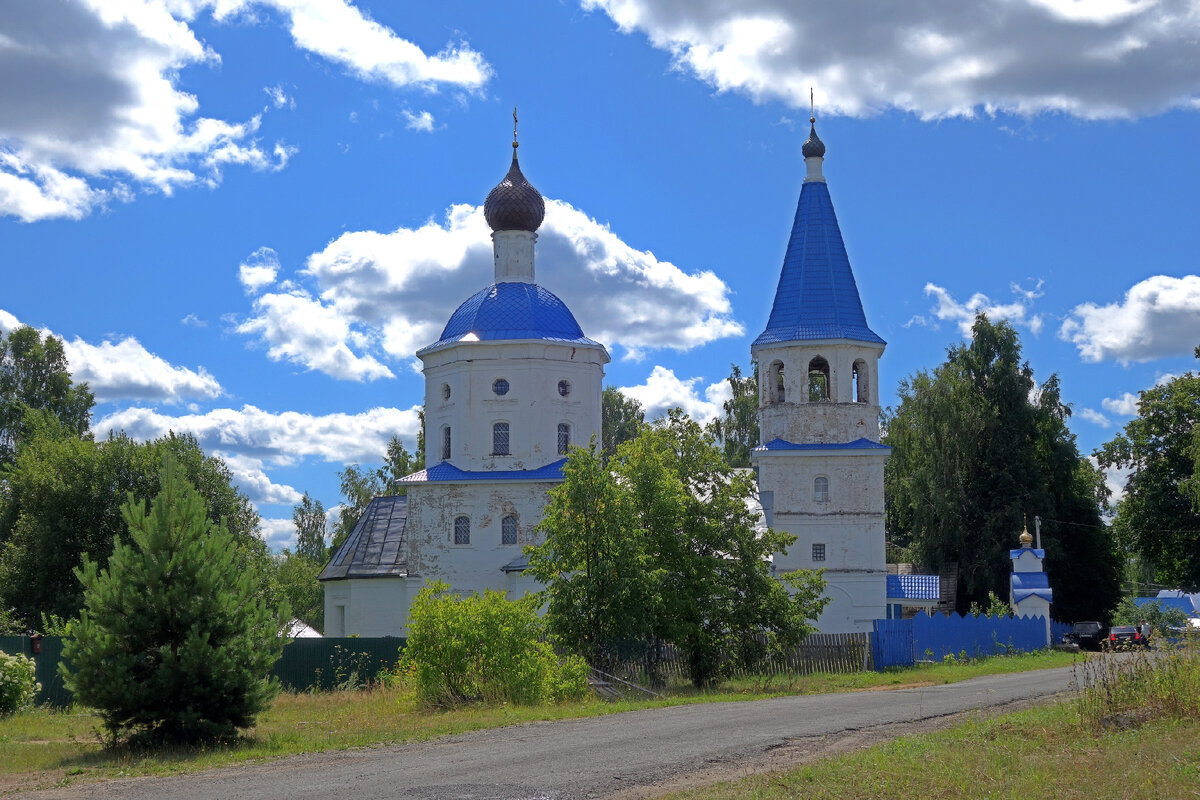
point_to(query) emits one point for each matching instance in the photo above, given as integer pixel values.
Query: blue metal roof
(1184, 604)
(445, 472)
(513, 311)
(377, 547)
(817, 297)
(1031, 584)
(857, 444)
(913, 587)
(1015, 554)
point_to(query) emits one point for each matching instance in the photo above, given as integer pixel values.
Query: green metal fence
(319, 664)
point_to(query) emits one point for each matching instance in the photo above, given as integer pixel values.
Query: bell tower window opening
(821, 489)
(445, 442)
(818, 380)
(462, 530)
(862, 385)
(508, 530)
(775, 388)
(500, 437)
(564, 438)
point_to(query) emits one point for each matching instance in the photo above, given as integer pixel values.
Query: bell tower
(820, 463)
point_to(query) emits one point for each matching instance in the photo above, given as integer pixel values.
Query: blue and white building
(820, 464)
(510, 385)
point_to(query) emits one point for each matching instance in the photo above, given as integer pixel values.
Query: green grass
(42, 747)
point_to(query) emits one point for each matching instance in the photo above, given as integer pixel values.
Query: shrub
(175, 641)
(485, 648)
(18, 684)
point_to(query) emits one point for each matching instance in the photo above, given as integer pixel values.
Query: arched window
(445, 391)
(445, 442)
(564, 438)
(775, 390)
(818, 380)
(821, 489)
(500, 439)
(462, 530)
(508, 530)
(564, 388)
(862, 386)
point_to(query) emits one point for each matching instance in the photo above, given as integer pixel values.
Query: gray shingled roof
(378, 545)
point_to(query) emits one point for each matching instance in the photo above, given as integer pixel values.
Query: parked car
(1125, 637)
(1087, 635)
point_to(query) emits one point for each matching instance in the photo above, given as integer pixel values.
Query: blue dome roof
(514, 311)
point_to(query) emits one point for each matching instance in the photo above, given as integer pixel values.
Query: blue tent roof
(513, 311)
(448, 473)
(817, 297)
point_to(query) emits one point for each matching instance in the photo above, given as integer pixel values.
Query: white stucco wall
(368, 606)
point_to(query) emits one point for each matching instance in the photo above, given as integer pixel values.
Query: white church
(512, 383)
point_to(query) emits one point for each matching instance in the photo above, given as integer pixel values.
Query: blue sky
(244, 216)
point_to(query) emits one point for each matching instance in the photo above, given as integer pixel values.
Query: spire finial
(515, 145)
(812, 108)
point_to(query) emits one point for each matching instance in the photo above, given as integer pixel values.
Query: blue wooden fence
(902, 642)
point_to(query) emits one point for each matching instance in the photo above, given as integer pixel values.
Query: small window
(445, 391)
(508, 530)
(564, 438)
(500, 387)
(445, 442)
(462, 530)
(500, 439)
(564, 388)
(818, 552)
(821, 489)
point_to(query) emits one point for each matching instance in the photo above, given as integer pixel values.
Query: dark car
(1125, 637)
(1087, 635)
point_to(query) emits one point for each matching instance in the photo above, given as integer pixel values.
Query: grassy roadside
(1134, 734)
(41, 748)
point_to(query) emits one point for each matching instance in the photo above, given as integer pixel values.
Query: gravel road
(634, 754)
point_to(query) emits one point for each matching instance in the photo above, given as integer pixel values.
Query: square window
(818, 552)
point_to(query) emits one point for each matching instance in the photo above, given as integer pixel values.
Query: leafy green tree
(309, 517)
(621, 417)
(974, 456)
(175, 641)
(34, 375)
(736, 430)
(1158, 518)
(669, 533)
(296, 584)
(360, 485)
(63, 498)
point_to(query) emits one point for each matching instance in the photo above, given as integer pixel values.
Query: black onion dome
(813, 147)
(514, 205)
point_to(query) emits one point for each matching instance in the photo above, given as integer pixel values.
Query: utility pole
(1037, 532)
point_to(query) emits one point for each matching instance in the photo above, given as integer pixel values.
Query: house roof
(512, 311)
(857, 444)
(913, 587)
(445, 472)
(377, 547)
(1183, 604)
(817, 297)
(1031, 584)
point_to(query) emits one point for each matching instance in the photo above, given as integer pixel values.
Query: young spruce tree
(174, 642)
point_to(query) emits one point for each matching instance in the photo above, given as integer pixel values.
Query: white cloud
(193, 321)
(422, 121)
(663, 391)
(276, 438)
(1125, 406)
(279, 98)
(125, 370)
(1095, 417)
(278, 533)
(1158, 317)
(1094, 59)
(1115, 479)
(963, 313)
(391, 293)
(259, 269)
(249, 476)
(95, 110)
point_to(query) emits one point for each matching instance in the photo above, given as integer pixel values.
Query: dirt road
(632, 755)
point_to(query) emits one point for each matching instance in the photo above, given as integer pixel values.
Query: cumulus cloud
(391, 293)
(1115, 479)
(963, 314)
(95, 111)
(1124, 406)
(278, 533)
(1096, 59)
(663, 391)
(259, 269)
(422, 121)
(249, 476)
(279, 98)
(1095, 417)
(276, 438)
(125, 370)
(1158, 317)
